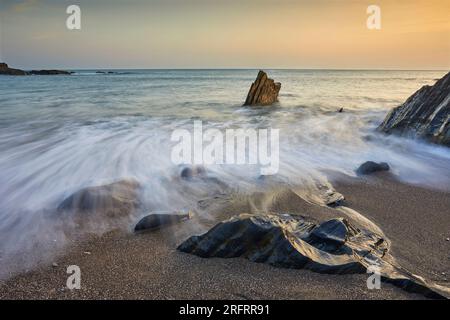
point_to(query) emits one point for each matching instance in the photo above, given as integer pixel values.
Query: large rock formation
(334, 246)
(426, 114)
(5, 70)
(263, 91)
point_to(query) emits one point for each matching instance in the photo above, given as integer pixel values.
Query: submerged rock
(370, 167)
(5, 70)
(334, 246)
(263, 91)
(426, 114)
(158, 220)
(117, 199)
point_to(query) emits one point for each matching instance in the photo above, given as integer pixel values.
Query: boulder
(426, 114)
(263, 91)
(335, 246)
(5, 70)
(156, 221)
(118, 199)
(370, 167)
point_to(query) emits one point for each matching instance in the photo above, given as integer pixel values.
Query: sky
(303, 34)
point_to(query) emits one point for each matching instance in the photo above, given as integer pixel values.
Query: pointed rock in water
(370, 167)
(426, 114)
(263, 91)
(157, 220)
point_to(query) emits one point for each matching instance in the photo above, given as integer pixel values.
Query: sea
(59, 134)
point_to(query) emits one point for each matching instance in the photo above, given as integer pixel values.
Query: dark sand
(123, 265)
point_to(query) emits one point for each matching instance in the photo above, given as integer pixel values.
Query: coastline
(123, 265)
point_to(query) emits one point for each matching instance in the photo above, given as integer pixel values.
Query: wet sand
(123, 265)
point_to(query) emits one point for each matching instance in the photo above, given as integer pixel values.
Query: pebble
(447, 239)
(87, 252)
(54, 264)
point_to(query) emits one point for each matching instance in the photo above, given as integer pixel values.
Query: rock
(370, 167)
(117, 199)
(5, 70)
(54, 265)
(156, 220)
(281, 240)
(263, 91)
(191, 172)
(426, 114)
(333, 198)
(50, 72)
(341, 110)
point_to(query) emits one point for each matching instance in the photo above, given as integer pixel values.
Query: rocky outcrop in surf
(115, 200)
(370, 167)
(264, 91)
(335, 246)
(426, 114)
(6, 70)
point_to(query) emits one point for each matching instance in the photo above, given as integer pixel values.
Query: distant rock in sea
(264, 91)
(6, 70)
(426, 114)
(49, 72)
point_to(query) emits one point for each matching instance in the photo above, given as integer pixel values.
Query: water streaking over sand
(60, 134)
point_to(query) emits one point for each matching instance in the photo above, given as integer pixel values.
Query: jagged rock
(157, 220)
(370, 167)
(335, 246)
(426, 114)
(263, 91)
(117, 199)
(5, 70)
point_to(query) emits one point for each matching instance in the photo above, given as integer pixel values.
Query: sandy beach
(124, 265)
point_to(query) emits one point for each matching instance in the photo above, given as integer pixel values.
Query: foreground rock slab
(263, 91)
(334, 246)
(426, 114)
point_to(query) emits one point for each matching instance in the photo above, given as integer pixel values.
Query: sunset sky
(415, 34)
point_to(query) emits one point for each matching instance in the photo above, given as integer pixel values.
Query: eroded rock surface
(334, 246)
(263, 91)
(426, 114)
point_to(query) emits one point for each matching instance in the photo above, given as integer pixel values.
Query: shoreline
(123, 265)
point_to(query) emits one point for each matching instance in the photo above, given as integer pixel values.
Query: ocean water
(62, 133)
